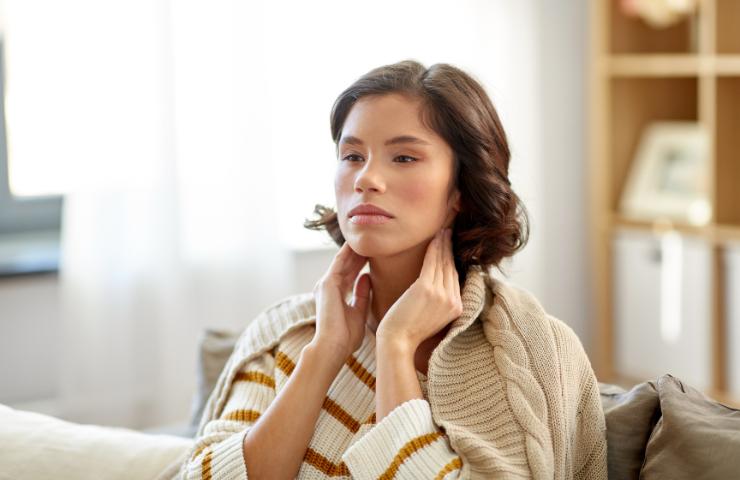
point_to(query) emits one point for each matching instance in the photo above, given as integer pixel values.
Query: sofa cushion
(36, 446)
(696, 437)
(630, 417)
(214, 349)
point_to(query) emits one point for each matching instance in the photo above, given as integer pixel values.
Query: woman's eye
(352, 157)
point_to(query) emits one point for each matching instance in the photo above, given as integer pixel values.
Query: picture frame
(669, 177)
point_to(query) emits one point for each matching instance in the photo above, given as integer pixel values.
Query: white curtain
(190, 139)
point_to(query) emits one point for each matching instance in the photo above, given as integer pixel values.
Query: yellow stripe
(341, 414)
(323, 464)
(256, 377)
(240, 415)
(366, 377)
(284, 363)
(331, 407)
(453, 465)
(406, 451)
(205, 465)
(197, 451)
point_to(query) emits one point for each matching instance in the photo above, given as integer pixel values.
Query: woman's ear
(454, 209)
(455, 201)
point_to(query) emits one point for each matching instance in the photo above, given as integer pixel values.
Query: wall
(29, 321)
(567, 292)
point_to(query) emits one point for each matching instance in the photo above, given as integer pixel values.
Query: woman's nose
(369, 178)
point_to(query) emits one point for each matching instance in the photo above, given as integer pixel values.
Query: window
(29, 226)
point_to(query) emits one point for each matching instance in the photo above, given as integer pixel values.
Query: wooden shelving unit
(637, 75)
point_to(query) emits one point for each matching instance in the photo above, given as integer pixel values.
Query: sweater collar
(473, 296)
(476, 294)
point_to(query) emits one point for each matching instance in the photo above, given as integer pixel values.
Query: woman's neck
(391, 276)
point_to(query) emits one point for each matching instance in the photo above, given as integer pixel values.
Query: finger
(456, 281)
(458, 297)
(344, 269)
(339, 259)
(346, 263)
(452, 279)
(430, 260)
(449, 265)
(439, 271)
(349, 276)
(453, 285)
(361, 294)
(457, 285)
(351, 264)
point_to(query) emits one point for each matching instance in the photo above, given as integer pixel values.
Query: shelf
(633, 35)
(671, 65)
(635, 103)
(619, 221)
(727, 234)
(668, 65)
(640, 75)
(718, 234)
(727, 65)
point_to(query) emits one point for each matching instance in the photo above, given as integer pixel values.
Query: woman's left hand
(430, 303)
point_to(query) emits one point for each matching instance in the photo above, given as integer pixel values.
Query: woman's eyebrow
(350, 139)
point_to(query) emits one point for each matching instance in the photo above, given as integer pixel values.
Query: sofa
(658, 429)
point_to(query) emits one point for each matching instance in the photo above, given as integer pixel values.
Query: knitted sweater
(510, 394)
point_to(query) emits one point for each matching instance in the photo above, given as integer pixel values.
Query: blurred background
(158, 158)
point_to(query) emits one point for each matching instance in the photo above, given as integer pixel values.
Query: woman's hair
(492, 223)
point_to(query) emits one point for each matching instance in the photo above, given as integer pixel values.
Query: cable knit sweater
(510, 394)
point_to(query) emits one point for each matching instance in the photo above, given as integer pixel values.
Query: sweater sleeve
(406, 444)
(588, 447)
(218, 452)
(590, 461)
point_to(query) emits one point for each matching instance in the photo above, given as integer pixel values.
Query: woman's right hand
(340, 326)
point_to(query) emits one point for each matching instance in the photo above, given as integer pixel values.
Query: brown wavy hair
(492, 223)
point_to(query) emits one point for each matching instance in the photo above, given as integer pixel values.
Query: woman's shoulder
(518, 307)
(271, 326)
(512, 297)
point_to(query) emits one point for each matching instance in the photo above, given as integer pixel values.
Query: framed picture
(669, 178)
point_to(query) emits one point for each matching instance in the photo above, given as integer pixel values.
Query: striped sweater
(510, 394)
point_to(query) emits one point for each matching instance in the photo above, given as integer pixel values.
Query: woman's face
(388, 158)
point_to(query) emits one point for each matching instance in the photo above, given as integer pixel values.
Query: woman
(414, 376)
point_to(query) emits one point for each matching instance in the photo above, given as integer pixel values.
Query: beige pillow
(35, 446)
(696, 437)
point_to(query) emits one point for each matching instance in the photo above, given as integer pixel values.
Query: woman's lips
(368, 219)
